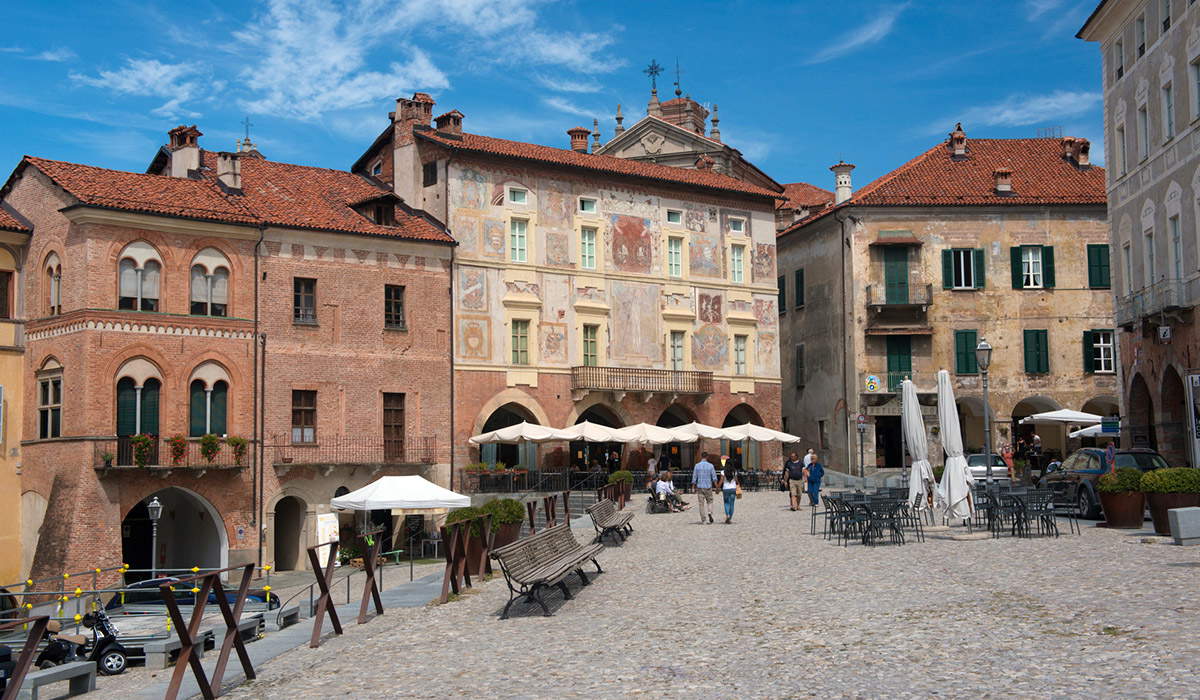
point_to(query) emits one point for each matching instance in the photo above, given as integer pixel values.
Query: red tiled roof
(278, 194)
(1041, 176)
(8, 222)
(594, 162)
(801, 195)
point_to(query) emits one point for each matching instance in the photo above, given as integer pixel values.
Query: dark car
(1075, 480)
(147, 593)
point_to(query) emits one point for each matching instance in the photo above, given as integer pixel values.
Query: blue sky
(799, 84)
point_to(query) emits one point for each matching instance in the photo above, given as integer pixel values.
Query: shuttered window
(963, 268)
(799, 290)
(800, 371)
(1099, 274)
(782, 282)
(126, 407)
(197, 409)
(964, 352)
(1032, 266)
(1037, 352)
(304, 416)
(1099, 355)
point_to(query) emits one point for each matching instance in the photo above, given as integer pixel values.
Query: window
(677, 350)
(962, 268)
(520, 342)
(1037, 352)
(6, 294)
(737, 226)
(50, 407)
(210, 291)
(801, 376)
(1032, 266)
(137, 410)
(1122, 151)
(822, 435)
(1166, 15)
(208, 408)
(591, 358)
(1143, 127)
(736, 255)
(674, 216)
(1176, 247)
(1151, 268)
(139, 284)
(517, 250)
(1098, 354)
(393, 426)
(1099, 275)
(304, 416)
(377, 168)
(1139, 35)
(304, 300)
(587, 206)
(587, 249)
(1118, 59)
(1168, 98)
(53, 286)
(429, 174)
(393, 306)
(384, 214)
(1194, 71)
(1128, 269)
(675, 257)
(799, 291)
(516, 195)
(739, 355)
(781, 283)
(964, 352)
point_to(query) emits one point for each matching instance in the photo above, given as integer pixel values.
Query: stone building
(592, 287)
(997, 239)
(301, 309)
(1150, 58)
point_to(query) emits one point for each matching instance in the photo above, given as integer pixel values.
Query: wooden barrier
(324, 576)
(35, 630)
(370, 587)
(456, 537)
(188, 633)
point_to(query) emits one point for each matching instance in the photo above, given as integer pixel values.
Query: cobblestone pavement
(762, 609)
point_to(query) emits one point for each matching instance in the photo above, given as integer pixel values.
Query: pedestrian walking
(815, 472)
(704, 477)
(730, 490)
(809, 456)
(793, 479)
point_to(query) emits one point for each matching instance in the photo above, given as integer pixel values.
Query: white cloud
(568, 85)
(565, 105)
(1036, 8)
(11, 49)
(873, 31)
(59, 55)
(1024, 110)
(177, 82)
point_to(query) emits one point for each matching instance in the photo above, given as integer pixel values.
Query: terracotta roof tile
(595, 162)
(801, 195)
(278, 194)
(8, 222)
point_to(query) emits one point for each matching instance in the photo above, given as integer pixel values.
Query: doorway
(191, 533)
(895, 274)
(887, 442)
(289, 532)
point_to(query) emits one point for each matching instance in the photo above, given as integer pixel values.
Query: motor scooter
(60, 648)
(103, 648)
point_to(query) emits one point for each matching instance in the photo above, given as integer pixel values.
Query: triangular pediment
(652, 136)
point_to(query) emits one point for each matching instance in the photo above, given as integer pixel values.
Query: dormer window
(587, 206)
(516, 195)
(377, 169)
(384, 215)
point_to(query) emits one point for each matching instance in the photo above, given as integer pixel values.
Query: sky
(800, 85)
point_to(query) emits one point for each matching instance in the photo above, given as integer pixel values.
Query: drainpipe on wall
(843, 244)
(453, 246)
(262, 231)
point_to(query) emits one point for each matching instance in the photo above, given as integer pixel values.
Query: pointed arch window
(210, 284)
(137, 406)
(53, 280)
(139, 273)
(208, 408)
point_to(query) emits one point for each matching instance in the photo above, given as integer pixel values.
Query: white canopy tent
(650, 434)
(1063, 416)
(513, 434)
(954, 492)
(920, 476)
(412, 494)
(757, 433)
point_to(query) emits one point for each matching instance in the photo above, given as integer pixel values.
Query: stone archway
(675, 455)
(589, 456)
(1053, 438)
(191, 533)
(1103, 406)
(1141, 415)
(511, 455)
(1173, 418)
(746, 454)
(289, 526)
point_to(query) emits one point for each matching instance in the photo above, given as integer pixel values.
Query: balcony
(160, 454)
(1162, 296)
(640, 380)
(902, 311)
(332, 450)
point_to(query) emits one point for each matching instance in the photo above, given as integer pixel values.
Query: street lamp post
(154, 508)
(983, 358)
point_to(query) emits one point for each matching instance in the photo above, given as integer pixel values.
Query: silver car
(977, 466)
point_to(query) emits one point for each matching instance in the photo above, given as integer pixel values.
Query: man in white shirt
(666, 487)
(808, 456)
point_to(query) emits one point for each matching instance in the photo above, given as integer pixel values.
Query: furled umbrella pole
(954, 492)
(920, 476)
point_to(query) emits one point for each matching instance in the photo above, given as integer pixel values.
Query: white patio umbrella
(513, 434)
(1063, 416)
(649, 434)
(586, 431)
(695, 430)
(1090, 431)
(920, 474)
(758, 433)
(954, 493)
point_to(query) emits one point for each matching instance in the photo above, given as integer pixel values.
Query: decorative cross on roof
(246, 124)
(653, 70)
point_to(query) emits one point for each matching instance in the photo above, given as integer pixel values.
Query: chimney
(958, 141)
(411, 114)
(1003, 180)
(579, 137)
(450, 123)
(841, 180)
(620, 123)
(229, 172)
(1067, 145)
(185, 150)
(595, 135)
(716, 130)
(1082, 147)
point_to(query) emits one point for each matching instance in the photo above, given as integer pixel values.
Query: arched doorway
(1141, 415)
(676, 455)
(524, 454)
(190, 533)
(595, 456)
(289, 533)
(970, 420)
(1173, 422)
(745, 452)
(1053, 438)
(1101, 406)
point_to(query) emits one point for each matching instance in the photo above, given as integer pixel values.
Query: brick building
(592, 287)
(301, 309)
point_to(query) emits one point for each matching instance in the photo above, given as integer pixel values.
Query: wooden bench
(80, 674)
(161, 653)
(541, 560)
(606, 518)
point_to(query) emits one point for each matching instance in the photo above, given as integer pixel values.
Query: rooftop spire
(620, 121)
(678, 72)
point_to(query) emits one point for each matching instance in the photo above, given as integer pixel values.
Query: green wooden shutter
(964, 352)
(1047, 266)
(1099, 272)
(150, 391)
(1044, 351)
(980, 268)
(1037, 352)
(960, 361)
(196, 409)
(782, 282)
(1088, 360)
(895, 275)
(1031, 351)
(126, 407)
(220, 400)
(947, 268)
(799, 292)
(1014, 255)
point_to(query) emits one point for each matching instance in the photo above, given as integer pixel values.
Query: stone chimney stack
(843, 189)
(184, 145)
(410, 114)
(579, 139)
(1003, 180)
(715, 134)
(450, 123)
(958, 141)
(595, 135)
(229, 171)
(1082, 149)
(620, 122)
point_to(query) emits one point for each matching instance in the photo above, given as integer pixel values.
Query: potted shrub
(210, 446)
(239, 446)
(107, 458)
(143, 448)
(1121, 498)
(624, 477)
(507, 516)
(179, 446)
(474, 535)
(1170, 488)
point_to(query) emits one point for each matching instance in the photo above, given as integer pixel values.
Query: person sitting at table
(666, 487)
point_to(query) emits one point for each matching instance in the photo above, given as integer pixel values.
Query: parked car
(1075, 480)
(147, 593)
(977, 466)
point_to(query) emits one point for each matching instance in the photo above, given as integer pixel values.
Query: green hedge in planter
(937, 473)
(1124, 480)
(620, 475)
(1177, 480)
(460, 514)
(504, 511)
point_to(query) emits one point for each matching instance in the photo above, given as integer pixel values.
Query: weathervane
(246, 123)
(653, 70)
(678, 72)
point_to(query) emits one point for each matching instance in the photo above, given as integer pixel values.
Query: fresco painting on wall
(768, 358)
(555, 205)
(710, 308)
(764, 312)
(704, 255)
(472, 284)
(709, 348)
(764, 262)
(556, 297)
(493, 238)
(557, 250)
(631, 244)
(470, 190)
(634, 333)
(553, 343)
(590, 294)
(475, 337)
(694, 219)
(466, 232)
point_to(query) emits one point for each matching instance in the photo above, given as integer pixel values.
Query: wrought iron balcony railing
(123, 451)
(914, 295)
(639, 379)
(357, 449)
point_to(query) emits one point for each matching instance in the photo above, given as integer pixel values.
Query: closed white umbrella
(587, 432)
(1090, 431)
(1062, 416)
(521, 432)
(695, 430)
(749, 431)
(920, 474)
(649, 434)
(954, 493)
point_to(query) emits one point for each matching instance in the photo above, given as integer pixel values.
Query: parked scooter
(60, 648)
(6, 666)
(110, 656)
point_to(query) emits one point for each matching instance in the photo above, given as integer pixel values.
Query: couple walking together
(801, 477)
(705, 480)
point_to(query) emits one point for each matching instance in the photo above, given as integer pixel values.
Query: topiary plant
(1177, 480)
(210, 445)
(620, 475)
(1124, 480)
(504, 511)
(460, 514)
